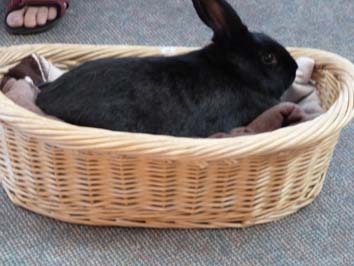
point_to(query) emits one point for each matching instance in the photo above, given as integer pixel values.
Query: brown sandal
(13, 5)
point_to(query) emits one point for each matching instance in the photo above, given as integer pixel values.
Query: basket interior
(327, 85)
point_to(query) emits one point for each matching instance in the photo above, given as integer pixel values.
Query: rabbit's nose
(294, 66)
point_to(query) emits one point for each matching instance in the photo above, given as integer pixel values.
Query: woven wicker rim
(72, 137)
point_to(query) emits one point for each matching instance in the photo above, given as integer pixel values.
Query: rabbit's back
(179, 96)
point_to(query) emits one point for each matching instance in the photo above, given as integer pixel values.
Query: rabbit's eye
(269, 59)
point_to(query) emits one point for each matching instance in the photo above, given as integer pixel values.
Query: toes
(31, 17)
(42, 16)
(52, 14)
(15, 18)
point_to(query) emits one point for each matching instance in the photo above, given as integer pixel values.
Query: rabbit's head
(255, 58)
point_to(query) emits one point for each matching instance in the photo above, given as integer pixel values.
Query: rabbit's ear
(220, 17)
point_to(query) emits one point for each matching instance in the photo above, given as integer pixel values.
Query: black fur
(222, 86)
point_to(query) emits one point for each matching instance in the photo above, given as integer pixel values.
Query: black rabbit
(225, 85)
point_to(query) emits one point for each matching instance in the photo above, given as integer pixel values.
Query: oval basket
(98, 177)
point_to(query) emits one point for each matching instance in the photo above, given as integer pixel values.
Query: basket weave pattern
(98, 177)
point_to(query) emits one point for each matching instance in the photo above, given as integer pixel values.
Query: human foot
(33, 16)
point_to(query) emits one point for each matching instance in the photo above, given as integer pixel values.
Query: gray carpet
(321, 234)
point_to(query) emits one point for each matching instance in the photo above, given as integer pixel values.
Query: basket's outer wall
(97, 177)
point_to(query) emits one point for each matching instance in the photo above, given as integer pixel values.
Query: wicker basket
(98, 177)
